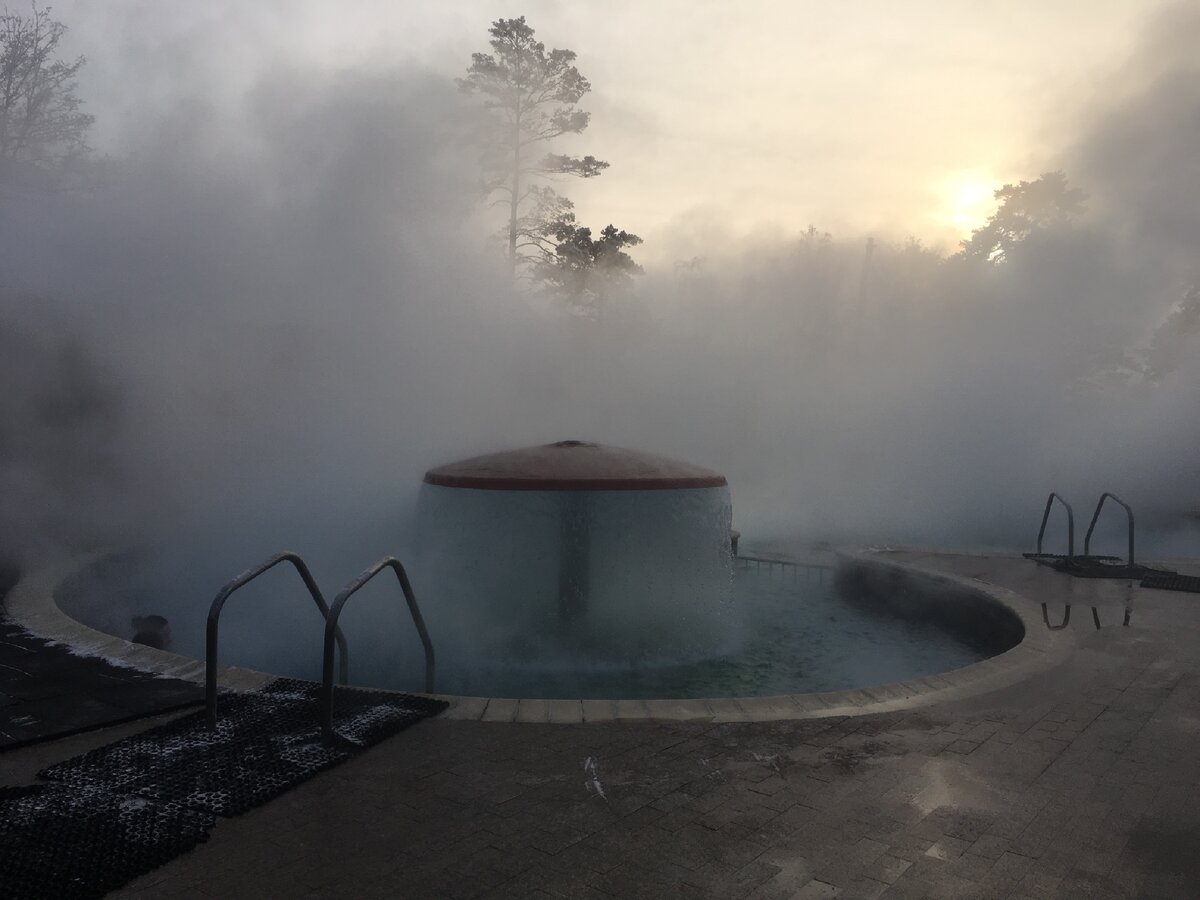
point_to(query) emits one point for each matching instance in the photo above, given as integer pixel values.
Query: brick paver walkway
(1080, 782)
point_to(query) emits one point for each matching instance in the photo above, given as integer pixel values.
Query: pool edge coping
(31, 604)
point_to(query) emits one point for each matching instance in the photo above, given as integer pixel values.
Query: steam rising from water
(273, 315)
(633, 578)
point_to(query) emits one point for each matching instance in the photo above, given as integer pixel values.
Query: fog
(266, 317)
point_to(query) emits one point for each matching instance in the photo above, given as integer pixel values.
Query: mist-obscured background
(269, 296)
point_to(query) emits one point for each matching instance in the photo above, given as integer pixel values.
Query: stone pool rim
(31, 604)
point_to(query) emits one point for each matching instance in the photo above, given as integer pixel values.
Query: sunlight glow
(967, 200)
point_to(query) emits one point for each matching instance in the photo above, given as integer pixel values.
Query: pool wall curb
(32, 605)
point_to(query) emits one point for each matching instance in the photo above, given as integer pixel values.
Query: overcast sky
(869, 116)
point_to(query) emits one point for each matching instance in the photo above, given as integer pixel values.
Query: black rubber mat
(1089, 566)
(265, 743)
(1051, 559)
(77, 841)
(1111, 567)
(1172, 581)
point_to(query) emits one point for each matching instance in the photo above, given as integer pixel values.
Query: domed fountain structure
(578, 553)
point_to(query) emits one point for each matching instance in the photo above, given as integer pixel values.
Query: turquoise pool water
(787, 629)
(797, 635)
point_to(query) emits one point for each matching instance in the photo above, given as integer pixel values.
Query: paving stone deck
(1080, 781)
(47, 692)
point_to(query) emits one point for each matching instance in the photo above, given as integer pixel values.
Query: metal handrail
(214, 615)
(773, 561)
(1070, 524)
(808, 568)
(388, 562)
(1095, 516)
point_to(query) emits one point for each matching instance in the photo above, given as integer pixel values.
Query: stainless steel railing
(214, 616)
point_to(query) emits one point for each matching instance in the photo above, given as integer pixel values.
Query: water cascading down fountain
(581, 553)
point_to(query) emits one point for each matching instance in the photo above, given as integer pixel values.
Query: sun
(967, 200)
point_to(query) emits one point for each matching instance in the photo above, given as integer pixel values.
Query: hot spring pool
(799, 635)
(798, 629)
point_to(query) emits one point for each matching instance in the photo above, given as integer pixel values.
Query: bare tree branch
(40, 122)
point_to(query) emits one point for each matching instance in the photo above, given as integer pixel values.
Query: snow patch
(592, 781)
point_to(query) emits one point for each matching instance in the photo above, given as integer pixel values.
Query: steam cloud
(272, 316)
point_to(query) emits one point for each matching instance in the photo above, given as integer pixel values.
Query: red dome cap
(573, 466)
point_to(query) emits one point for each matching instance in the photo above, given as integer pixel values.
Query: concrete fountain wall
(578, 551)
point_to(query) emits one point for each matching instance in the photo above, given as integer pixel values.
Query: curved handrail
(388, 562)
(1070, 524)
(214, 615)
(1095, 516)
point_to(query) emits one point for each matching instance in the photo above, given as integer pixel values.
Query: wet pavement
(1079, 780)
(48, 692)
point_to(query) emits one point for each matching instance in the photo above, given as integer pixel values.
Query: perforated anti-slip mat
(1172, 581)
(59, 840)
(119, 811)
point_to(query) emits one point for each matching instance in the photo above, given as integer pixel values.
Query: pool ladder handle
(214, 615)
(331, 633)
(1087, 540)
(1070, 525)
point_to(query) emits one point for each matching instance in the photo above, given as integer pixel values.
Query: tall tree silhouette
(1024, 209)
(530, 95)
